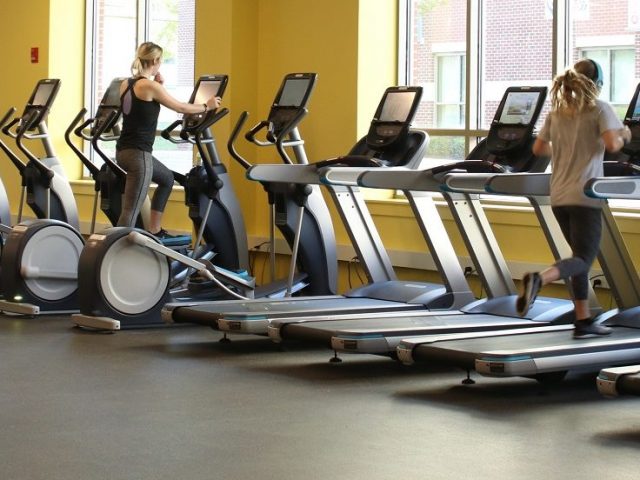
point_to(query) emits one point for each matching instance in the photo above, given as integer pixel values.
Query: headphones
(597, 76)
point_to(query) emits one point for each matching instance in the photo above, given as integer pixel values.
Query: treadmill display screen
(294, 92)
(111, 97)
(397, 107)
(42, 94)
(635, 116)
(519, 108)
(206, 90)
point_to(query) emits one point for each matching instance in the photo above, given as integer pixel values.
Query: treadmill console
(513, 123)
(292, 97)
(632, 120)
(109, 108)
(394, 115)
(40, 101)
(207, 86)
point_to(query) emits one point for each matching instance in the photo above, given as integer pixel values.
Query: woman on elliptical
(141, 97)
(575, 134)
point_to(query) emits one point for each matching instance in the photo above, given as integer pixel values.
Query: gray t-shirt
(578, 152)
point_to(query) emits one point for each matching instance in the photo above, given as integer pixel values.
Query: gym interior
(180, 400)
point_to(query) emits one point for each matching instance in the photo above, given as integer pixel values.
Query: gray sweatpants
(582, 227)
(142, 168)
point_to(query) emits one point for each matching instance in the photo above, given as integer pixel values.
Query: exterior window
(450, 91)
(618, 67)
(466, 54)
(436, 60)
(115, 28)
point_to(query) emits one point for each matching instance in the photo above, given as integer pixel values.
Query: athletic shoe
(531, 284)
(169, 240)
(589, 328)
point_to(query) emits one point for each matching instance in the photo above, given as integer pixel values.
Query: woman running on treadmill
(575, 134)
(141, 97)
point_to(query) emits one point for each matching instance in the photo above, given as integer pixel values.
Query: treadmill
(390, 142)
(506, 148)
(548, 354)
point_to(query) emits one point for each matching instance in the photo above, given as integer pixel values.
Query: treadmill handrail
(277, 173)
(603, 187)
(401, 178)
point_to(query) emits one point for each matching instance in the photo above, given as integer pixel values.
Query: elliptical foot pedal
(95, 323)
(20, 308)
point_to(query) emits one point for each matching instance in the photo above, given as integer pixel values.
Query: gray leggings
(142, 168)
(582, 227)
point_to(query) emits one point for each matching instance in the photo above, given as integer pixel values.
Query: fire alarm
(34, 54)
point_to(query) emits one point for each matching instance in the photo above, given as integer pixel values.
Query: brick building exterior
(517, 46)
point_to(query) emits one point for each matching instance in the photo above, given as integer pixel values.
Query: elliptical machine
(224, 222)
(122, 282)
(33, 280)
(109, 179)
(5, 217)
(212, 203)
(114, 295)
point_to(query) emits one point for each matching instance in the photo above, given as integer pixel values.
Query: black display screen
(519, 108)
(397, 107)
(43, 94)
(294, 92)
(206, 90)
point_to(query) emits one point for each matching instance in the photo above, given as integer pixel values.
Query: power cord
(253, 255)
(468, 271)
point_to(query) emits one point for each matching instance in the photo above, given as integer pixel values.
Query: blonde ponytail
(574, 90)
(146, 55)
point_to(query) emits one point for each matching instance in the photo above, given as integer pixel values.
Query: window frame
(144, 16)
(561, 56)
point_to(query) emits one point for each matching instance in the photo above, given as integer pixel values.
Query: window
(466, 53)
(115, 28)
(436, 60)
(618, 66)
(450, 90)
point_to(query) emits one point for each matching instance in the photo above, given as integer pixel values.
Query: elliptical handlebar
(197, 133)
(23, 127)
(277, 140)
(286, 130)
(97, 135)
(166, 133)
(93, 170)
(7, 116)
(7, 128)
(3, 146)
(212, 117)
(251, 134)
(186, 134)
(232, 138)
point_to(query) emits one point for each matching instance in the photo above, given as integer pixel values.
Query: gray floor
(176, 404)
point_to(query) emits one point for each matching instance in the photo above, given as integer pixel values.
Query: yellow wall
(377, 55)
(352, 46)
(19, 32)
(66, 62)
